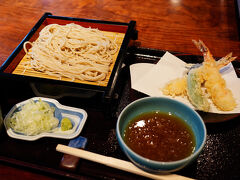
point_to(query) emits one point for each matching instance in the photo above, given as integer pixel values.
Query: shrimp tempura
(204, 83)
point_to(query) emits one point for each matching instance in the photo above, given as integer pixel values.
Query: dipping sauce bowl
(166, 106)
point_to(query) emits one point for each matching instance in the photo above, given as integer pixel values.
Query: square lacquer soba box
(81, 43)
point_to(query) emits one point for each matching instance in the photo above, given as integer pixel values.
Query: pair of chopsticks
(115, 163)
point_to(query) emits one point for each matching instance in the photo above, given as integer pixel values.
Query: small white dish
(77, 116)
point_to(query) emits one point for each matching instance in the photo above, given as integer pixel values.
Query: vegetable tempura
(204, 83)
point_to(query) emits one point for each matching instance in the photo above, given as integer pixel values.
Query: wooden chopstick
(115, 163)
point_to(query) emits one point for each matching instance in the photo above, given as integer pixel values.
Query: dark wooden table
(162, 25)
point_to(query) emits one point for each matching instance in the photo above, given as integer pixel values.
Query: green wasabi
(66, 124)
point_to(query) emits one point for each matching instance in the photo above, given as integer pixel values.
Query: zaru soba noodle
(71, 51)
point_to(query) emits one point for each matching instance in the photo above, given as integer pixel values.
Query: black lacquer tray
(218, 160)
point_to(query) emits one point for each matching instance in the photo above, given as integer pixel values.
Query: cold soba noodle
(71, 51)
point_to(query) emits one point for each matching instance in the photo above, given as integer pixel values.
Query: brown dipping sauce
(160, 137)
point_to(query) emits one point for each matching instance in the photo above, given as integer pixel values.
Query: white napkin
(151, 78)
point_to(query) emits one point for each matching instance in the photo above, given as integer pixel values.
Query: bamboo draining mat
(115, 36)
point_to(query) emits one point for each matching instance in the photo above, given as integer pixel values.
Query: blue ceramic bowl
(165, 105)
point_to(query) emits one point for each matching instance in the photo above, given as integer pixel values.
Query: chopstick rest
(68, 161)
